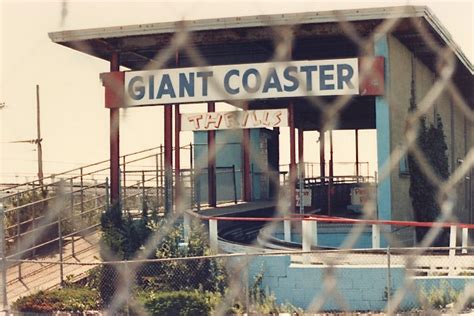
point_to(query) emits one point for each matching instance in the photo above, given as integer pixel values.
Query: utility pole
(38, 138)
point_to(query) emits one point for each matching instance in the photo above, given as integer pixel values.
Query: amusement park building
(411, 55)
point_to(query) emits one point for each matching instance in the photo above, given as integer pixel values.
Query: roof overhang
(253, 39)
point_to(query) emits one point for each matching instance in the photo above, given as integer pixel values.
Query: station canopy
(253, 39)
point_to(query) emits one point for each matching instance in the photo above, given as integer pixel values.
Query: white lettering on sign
(245, 81)
(235, 119)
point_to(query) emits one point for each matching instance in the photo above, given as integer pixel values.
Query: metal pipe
(168, 132)
(234, 181)
(124, 182)
(157, 205)
(177, 156)
(60, 246)
(292, 175)
(211, 161)
(115, 139)
(72, 210)
(357, 153)
(3, 258)
(322, 156)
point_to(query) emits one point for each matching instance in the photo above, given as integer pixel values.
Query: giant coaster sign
(241, 82)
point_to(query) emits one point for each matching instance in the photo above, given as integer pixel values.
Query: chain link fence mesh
(41, 217)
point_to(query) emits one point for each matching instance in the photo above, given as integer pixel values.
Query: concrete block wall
(358, 288)
(361, 288)
(402, 65)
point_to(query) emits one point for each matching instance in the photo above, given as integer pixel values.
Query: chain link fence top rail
(243, 283)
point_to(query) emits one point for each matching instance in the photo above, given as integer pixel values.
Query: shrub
(176, 275)
(179, 303)
(67, 299)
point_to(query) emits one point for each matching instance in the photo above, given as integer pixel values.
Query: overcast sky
(74, 120)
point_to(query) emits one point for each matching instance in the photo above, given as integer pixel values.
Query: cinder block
(286, 283)
(358, 305)
(351, 294)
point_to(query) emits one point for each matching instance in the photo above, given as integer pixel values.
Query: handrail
(330, 219)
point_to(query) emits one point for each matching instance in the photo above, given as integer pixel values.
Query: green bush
(179, 303)
(67, 300)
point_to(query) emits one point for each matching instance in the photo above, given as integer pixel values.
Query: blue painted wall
(229, 152)
(362, 288)
(382, 122)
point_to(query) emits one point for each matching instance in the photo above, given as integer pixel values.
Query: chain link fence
(135, 270)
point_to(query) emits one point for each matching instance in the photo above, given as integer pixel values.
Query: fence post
(452, 248)
(107, 201)
(213, 235)
(18, 233)
(247, 287)
(234, 182)
(143, 191)
(33, 217)
(3, 258)
(124, 183)
(375, 236)
(300, 186)
(389, 279)
(60, 246)
(287, 230)
(465, 239)
(197, 182)
(82, 191)
(72, 215)
(157, 176)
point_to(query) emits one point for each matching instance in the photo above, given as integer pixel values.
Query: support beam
(301, 169)
(115, 140)
(357, 153)
(301, 151)
(331, 173)
(211, 161)
(177, 158)
(247, 196)
(177, 145)
(322, 154)
(168, 132)
(293, 175)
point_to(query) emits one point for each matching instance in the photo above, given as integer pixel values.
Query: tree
(423, 193)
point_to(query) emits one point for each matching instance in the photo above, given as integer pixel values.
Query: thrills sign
(237, 119)
(245, 81)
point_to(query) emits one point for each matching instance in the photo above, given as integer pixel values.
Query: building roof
(252, 39)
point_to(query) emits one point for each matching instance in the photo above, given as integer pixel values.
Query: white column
(307, 239)
(287, 230)
(452, 250)
(465, 239)
(213, 235)
(375, 236)
(315, 232)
